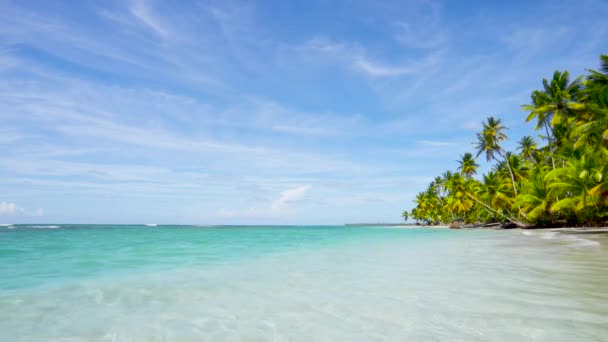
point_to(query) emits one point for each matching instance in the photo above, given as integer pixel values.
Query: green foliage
(468, 166)
(562, 183)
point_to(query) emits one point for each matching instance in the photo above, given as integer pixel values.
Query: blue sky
(270, 112)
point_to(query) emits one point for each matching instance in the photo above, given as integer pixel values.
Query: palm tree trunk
(510, 172)
(518, 223)
(550, 146)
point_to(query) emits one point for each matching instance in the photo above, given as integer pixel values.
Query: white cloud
(282, 206)
(8, 208)
(12, 209)
(290, 196)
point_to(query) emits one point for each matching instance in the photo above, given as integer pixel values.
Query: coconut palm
(468, 166)
(555, 103)
(538, 109)
(488, 142)
(563, 182)
(446, 176)
(536, 199)
(437, 184)
(518, 166)
(594, 130)
(600, 191)
(574, 182)
(495, 191)
(458, 188)
(561, 96)
(600, 77)
(527, 148)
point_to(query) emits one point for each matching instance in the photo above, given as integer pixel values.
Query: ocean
(299, 283)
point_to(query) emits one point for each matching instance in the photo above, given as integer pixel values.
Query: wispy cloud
(7, 61)
(437, 143)
(41, 167)
(375, 69)
(199, 106)
(419, 37)
(532, 39)
(356, 58)
(423, 28)
(142, 11)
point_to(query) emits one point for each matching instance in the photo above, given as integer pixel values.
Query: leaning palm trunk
(518, 223)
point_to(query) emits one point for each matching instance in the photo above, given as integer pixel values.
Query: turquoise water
(193, 283)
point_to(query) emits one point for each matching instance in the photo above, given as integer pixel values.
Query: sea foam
(569, 239)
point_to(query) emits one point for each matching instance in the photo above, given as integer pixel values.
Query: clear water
(187, 283)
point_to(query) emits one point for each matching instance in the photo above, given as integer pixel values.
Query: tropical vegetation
(561, 180)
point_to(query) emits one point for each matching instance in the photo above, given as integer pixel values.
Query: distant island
(562, 183)
(377, 224)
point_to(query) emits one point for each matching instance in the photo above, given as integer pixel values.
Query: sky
(269, 112)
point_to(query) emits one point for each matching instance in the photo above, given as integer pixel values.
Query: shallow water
(187, 283)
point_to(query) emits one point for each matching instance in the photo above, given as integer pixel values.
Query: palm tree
(446, 176)
(594, 130)
(536, 199)
(468, 166)
(527, 148)
(600, 77)
(561, 96)
(437, 184)
(540, 110)
(495, 191)
(488, 142)
(577, 182)
(555, 103)
(481, 189)
(519, 168)
(458, 188)
(564, 181)
(600, 191)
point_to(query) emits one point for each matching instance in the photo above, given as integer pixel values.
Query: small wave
(570, 240)
(44, 227)
(548, 235)
(5, 224)
(151, 225)
(576, 241)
